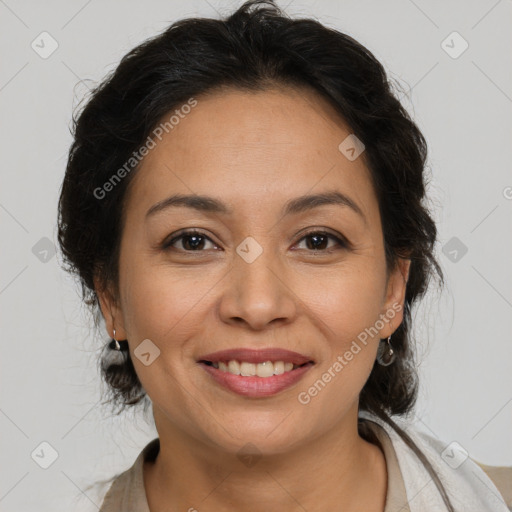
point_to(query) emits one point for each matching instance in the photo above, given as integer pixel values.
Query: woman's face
(267, 270)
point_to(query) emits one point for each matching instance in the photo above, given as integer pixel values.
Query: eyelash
(167, 245)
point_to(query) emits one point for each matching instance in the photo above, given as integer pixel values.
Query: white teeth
(247, 369)
(266, 369)
(234, 367)
(278, 368)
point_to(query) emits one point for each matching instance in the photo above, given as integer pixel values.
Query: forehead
(253, 146)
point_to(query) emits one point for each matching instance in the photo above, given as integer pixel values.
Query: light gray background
(49, 382)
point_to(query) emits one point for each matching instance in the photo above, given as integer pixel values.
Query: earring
(118, 346)
(114, 344)
(385, 354)
(116, 353)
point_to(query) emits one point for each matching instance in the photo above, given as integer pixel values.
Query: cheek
(346, 301)
(166, 307)
(158, 302)
(344, 306)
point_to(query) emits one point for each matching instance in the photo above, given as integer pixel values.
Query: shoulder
(501, 477)
(127, 491)
(467, 482)
(459, 460)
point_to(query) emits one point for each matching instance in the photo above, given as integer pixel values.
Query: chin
(265, 433)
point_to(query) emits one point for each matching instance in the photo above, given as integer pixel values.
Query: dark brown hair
(255, 48)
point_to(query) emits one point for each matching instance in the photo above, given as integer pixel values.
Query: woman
(244, 203)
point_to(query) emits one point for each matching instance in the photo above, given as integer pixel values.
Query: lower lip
(257, 387)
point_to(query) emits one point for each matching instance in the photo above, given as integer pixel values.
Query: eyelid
(338, 238)
(168, 242)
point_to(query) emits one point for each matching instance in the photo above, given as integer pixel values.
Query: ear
(111, 311)
(393, 307)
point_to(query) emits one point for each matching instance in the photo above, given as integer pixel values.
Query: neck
(338, 471)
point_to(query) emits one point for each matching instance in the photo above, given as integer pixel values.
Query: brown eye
(190, 241)
(319, 241)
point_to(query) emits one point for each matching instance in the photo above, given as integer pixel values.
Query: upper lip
(256, 356)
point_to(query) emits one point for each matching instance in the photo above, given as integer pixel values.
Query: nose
(258, 294)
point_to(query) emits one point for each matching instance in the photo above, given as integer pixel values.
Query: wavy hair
(255, 48)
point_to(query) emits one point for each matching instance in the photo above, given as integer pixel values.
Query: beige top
(127, 493)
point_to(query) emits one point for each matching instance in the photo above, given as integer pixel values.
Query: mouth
(246, 369)
(256, 373)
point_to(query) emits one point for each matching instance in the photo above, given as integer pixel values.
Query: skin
(255, 151)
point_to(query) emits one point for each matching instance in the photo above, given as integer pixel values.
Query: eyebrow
(294, 206)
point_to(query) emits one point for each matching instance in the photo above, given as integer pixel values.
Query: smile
(245, 369)
(256, 373)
